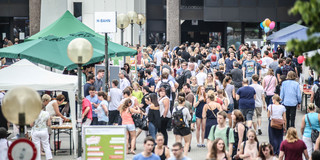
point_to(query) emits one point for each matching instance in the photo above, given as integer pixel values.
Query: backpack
(317, 96)
(178, 121)
(228, 130)
(182, 79)
(167, 87)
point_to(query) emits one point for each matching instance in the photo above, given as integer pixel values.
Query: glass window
(156, 38)
(234, 34)
(20, 25)
(251, 31)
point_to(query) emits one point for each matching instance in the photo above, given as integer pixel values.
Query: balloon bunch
(267, 25)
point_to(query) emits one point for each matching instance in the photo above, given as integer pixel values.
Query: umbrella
(50, 51)
(97, 42)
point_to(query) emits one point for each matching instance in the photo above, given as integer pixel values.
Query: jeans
(163, 130)
(269, 100)
(158, 70)
(309, 144)
(43, 138)
(152, 130)
(249, 79)
(291, 115)
(310, 80)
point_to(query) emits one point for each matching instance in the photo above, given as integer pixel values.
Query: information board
(104, 142)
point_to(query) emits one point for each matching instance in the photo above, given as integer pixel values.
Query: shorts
(247, 113)
(130, 127)
(182, 131)
(258, 111)
(230, 108)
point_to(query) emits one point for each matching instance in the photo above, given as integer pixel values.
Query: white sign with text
(105, 22)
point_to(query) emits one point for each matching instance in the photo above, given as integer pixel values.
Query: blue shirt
(290, 93)
(229, 64)
(93, 100)
(170, 78)
(313, 117)
(250, 67)
(86, 89)
(246, 100)
(101, 113)
(151, 82)
(174, 158)
(141, 157)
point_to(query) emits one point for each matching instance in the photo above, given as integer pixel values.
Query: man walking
(114, 98)
(246, 96)
(98, 83)
(249, 68)
(93, 98)
(148, 146)
(259, 102)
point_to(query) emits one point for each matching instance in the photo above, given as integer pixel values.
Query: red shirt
(293, 150)
(86, 103)
(219, 101)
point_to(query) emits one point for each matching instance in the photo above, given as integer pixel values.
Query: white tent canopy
(25, 73)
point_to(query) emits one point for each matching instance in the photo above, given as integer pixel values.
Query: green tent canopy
(65, 25)
(50, 51)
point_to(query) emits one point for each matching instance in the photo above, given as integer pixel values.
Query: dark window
(77, 10)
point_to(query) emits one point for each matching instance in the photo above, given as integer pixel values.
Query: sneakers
(199, 145)
(259, 132)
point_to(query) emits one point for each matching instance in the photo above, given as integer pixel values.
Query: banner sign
(105, 22)
(104, 142)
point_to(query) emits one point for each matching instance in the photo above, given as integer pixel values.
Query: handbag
(194, 118)
(276, 123)
(137, 120)
(314, 132)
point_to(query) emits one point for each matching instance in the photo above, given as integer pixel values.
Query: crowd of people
(219, 94)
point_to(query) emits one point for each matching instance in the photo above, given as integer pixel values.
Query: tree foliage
(310, 15)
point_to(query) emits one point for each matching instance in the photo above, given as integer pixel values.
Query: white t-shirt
(159, 56)
(116, 96)
(201, 78)
(40, 124)
(124, 83)
(162, 107)
(259, 93)
(266, 61)
(277, 111)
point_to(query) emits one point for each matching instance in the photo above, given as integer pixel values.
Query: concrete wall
(51, 10)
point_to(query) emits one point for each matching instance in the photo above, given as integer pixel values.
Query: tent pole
(106, 60)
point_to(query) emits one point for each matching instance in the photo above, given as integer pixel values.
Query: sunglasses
(264, 143)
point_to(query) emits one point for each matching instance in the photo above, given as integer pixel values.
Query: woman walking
(165, 113)
(292, 147)
(290, 95)
(311, 117)
(218, 151)
(276, 111)
(239, 129)
(209, 114)
(40, 135)
(153, 114)
(266, 152)
(249, 149)
(194, 85)
(102, 109)
(231, 94)
(269, 84)
(126, 114)
(182, 132)
(199, 103)
(210, 83)
(162, 151)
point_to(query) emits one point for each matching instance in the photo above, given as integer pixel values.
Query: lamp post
(122, 23)
(132, 15)
(140, 21)
(79, 52)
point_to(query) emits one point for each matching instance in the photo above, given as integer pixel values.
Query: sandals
(131, 152)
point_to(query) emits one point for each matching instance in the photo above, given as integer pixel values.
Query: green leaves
(310, 15)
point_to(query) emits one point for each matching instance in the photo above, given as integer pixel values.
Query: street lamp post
(79, 52)
(122, 23)
(140, 21)
(133, 19)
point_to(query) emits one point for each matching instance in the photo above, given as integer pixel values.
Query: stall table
(57, 129)
(305, 94)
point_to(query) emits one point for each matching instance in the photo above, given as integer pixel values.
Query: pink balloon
(300, 59)
(272, 25)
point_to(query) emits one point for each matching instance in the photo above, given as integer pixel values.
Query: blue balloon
(261, 25)
(266, 29)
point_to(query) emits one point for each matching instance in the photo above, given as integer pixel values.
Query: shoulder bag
(276, 123)
(265, 91)
(314, 132)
